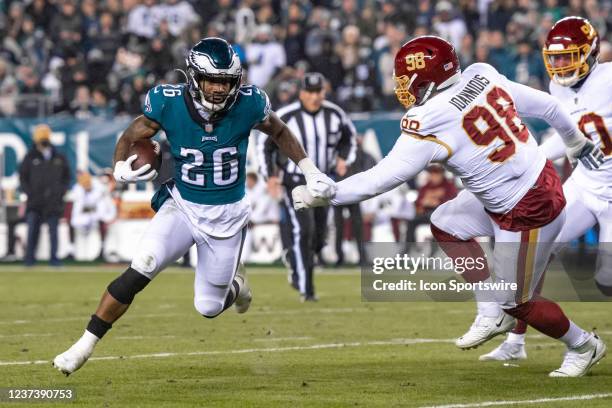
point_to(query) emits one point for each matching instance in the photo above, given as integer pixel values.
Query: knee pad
(208, 308)
(127, 285)
(145, 263)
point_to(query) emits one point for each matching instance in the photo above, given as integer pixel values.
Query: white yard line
(393, 342)
(3, 336)
(533, 401)
(267, 339)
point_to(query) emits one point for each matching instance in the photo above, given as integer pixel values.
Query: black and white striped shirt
(325, 135)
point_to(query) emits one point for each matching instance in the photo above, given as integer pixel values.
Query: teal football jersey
(210, 161)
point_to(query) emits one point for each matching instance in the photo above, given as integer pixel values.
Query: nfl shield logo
(208, 127)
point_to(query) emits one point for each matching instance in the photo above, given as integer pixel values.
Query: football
(148, 152)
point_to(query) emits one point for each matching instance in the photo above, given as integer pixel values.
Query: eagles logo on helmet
(213, 59)
(422, 66)
(571, 50)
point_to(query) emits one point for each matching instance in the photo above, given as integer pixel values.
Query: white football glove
(303, 199)
(318, 184)
(123, 171)
(590, 155)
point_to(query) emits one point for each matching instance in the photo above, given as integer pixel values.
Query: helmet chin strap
(446, 84)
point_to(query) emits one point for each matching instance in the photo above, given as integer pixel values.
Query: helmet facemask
(567, 65)
(402, 90)
(213, 101)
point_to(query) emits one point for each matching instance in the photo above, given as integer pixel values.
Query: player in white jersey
(469, 122)
(582, 84)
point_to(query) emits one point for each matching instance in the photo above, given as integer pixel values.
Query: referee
(328, 137)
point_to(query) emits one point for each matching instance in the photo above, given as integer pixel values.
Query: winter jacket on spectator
(45, 181)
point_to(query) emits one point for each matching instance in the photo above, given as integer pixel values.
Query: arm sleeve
(153, 106)
(407, 158)
(553, 147)
(262, 106)
(347, 145)
(24, 175)
(537, 104)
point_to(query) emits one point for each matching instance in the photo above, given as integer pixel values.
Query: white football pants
(519, 257)
(169, 236)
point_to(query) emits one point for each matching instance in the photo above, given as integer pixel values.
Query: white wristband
(307, 166)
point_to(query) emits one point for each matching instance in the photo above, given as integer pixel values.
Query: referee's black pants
(304, 234)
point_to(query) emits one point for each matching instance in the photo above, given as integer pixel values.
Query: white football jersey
(591, 107)
(489, 148)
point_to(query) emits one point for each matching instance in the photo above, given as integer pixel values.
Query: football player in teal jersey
(207, 122)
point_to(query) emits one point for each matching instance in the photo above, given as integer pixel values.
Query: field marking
(2, 336)
(392, 342)
(266, 339)
(533, 401)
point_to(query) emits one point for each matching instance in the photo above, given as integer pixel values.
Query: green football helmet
(213, 59)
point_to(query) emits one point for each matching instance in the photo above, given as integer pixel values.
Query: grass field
(337, 352)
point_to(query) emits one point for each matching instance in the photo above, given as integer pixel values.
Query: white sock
(575, 336)
(87, 340)
(484, 304)
(514, 338)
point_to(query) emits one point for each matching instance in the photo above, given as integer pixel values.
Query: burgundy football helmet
(571, 50)
(422, 66)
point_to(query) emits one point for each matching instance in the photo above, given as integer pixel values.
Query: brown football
(148, 152)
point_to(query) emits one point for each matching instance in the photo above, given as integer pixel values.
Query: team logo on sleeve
(148, 107)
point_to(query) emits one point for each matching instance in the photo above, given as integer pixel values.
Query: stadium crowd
(98, 57)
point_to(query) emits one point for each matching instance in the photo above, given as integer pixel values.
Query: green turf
(376, 368)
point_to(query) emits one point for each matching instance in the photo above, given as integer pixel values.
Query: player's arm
(553, 147)
(408, 157)
(140, 128)
(318, 183)
(533, 103)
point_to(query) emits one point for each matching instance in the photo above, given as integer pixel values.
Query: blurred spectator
(179, 14)
(100, 104)
(45, 177)
(552, 7)
(80, 106)
(395, 36)
(8, 89)
(499, 14)
(131, 97)
(437, 190)
(528, 68)
(42, 13)
(28, 83)
(471, 15)
(447, 24)
(106, 40)
(499, 54)
(66, 27)
(93, 206)
(143, 19)
(358, 82)
(294, 42)
(265, 56)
